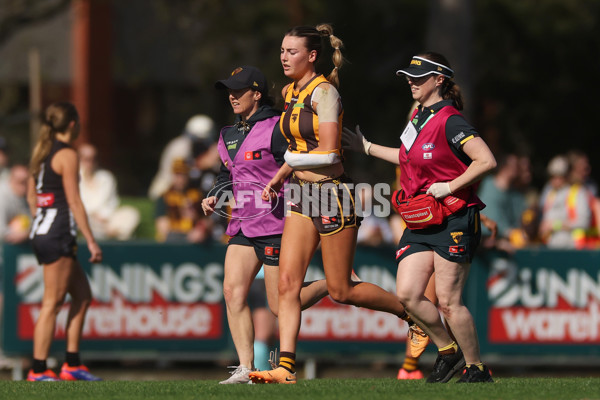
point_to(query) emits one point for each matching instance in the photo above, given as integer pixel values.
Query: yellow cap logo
(415, 62)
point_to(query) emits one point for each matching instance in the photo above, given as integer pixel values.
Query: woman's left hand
(439, 190)
(95, 252)
(270, 191)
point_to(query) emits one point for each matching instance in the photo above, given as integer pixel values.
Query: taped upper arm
(327, 102)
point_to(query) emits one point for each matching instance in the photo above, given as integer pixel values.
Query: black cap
(244, 77)
(420, 66)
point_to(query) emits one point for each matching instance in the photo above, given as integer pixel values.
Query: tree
(16, 14)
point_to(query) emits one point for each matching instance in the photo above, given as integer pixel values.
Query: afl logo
(428, 146)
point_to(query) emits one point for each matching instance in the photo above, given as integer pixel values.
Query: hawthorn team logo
(456, 236)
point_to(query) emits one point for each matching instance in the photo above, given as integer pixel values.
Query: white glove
(439, 190)
(355, 141)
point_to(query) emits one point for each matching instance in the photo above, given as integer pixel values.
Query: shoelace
(273, 359)
(414, 328)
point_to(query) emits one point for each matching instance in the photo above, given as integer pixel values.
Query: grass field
(343, 389)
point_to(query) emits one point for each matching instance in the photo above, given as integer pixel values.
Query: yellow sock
(450, 349)
(410, 364)
(478, 365)
(287, 360)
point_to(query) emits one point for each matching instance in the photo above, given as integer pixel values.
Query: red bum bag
(423, 210)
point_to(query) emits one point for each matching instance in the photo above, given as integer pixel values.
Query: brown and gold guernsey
(299, 121)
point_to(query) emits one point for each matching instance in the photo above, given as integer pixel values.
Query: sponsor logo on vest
(252, 155)
(428, 146)
(45, 199)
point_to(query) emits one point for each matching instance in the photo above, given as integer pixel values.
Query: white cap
(558, 166)
(200, 126)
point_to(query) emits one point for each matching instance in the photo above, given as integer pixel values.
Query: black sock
(73, 359)
(39, 366)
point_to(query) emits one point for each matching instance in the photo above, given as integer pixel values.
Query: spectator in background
(14, 212)
(566, 210)
(15, 218)
(504, 203)
(4, 170)
(374, 230)
(530, 217)
(205, 167)
(178, 213)
(580, 171)
(580, 175)
(98, 189)
(198, 134)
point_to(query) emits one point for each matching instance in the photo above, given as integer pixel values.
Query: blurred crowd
(564, 213)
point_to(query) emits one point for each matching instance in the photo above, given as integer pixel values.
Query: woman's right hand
(208, 205)
(355, 141)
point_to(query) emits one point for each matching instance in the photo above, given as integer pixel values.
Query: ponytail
(451, 91)
(42, 147)
(337, 58)
(57, 118)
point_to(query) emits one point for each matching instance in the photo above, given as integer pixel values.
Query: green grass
(329, 389)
